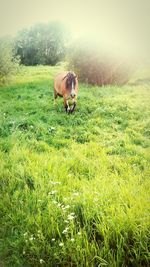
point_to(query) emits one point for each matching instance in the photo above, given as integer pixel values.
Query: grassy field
(74, 189)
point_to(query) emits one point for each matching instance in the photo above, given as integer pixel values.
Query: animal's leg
(66, 105)
(73, 105)
(55, 96)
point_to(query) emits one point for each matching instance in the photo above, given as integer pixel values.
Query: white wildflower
(61, 244)
(53, 239)
(55, 183)
(54, 201)
(41, 261)
(75, 194)
(51, 129)
(66, 207)
(70, 217)
(53, 192)
(65, 231)
(31, 238)
(25, 234)
(72, 239)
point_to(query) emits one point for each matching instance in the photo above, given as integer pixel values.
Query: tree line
(48, 44)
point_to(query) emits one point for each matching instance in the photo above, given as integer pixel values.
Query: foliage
(42, 44)
(8, 62)
(74, 188)
(97, 67)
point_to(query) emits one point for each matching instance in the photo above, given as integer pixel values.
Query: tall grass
(74, 188)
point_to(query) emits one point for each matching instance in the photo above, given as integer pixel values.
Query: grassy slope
(88, 171)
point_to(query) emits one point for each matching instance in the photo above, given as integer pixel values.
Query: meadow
(74, 189)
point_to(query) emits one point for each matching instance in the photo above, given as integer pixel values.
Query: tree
(42, 44)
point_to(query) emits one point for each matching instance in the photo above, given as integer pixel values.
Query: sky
(121, 25)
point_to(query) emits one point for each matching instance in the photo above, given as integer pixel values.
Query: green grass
(86, 173)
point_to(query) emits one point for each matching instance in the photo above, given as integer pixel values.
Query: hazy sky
(120, 24)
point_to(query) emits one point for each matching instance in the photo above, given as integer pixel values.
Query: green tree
(42, 44)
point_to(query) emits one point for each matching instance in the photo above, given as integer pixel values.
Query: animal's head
(71, 80)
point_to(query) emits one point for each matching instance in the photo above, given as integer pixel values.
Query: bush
(95, 67)
(8, 62)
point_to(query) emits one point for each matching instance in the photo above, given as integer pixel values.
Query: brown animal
(66, 86)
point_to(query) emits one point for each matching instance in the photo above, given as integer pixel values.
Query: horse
(66, 86)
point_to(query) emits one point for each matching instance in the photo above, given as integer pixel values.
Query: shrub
(8, 62)
(96, 67)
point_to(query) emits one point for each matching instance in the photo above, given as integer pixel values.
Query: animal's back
(58, 82)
